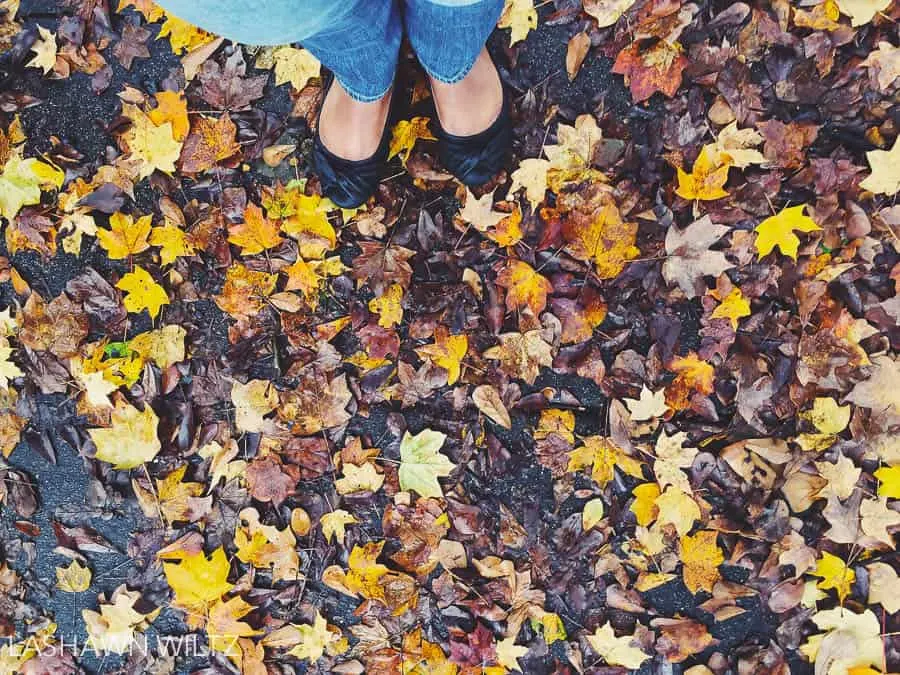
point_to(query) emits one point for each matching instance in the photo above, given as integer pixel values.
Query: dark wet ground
(73, 112)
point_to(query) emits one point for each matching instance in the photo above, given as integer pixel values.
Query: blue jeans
(358, 40)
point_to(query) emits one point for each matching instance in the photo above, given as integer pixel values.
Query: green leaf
(421, 463)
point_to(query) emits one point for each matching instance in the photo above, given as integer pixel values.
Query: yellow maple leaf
(297, 66)
(364, 572)
(154, 147)
(707, 177)
(256, 234)
(73, 579)
(862, 11)
(172, 241)
(600, 453)
(171, 106)
(616, 651)
(334, 524)
(131, 438)
(21, 181)
(644, 505)
(198, 581)
(522, 355)
(245, 291)
(305, 641)
(447, 352)
(359, 479)
(149, 9)
(835, 574)
(525, 287)
(142, 292)
(778, 230)
(888, 481)
(701, 557)
(183, 36)
(605, 238)
(405, 134)
(112, 628)
(678, 509)
(126, 236)
(8, 369)
(521, 17)
(224, 627)
(267, 547)
(733, 307)
(387, 306)
(163, 346)
(693, 376)
(176, 500)
(309, 225)
(885, 176)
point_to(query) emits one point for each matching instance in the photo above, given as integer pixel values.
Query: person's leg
(448, 36)
(358, 40)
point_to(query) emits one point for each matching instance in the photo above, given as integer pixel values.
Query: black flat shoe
(350, 183)
(475, 159)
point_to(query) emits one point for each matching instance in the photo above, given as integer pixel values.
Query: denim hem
(363, 98)
(454, 78)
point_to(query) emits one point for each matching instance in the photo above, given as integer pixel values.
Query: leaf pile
(633, 406)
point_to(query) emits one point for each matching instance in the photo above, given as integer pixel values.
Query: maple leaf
(689, 258)
(75, 578)
(211, 141)
(148, 9)
(421, 657)
(8, 369)
(245, 291)
(126, 236)
(888, 481)
(198, 581)
(531, 174)
(447, 352)
(509, 653)
(671, 458)
(223, 627)
(850, 641)
(677, 508)
(359, 479)
(251, 402)
(883, 584)
(601, 236)
(488, 401)
(835, 574)
(225, 87)
(778, 230)
(480, 212)
(525, 287)
(59, 326)
(131, 438)
(648, 406)
(112, 628)
(521, 17)
(862, 12)
(616, 651)
(164, 346)
(884, 64)
(154, 147)
(405, 134)
(306, 641)
(878, 521)
(172, 241)
(522, 355)
(607, 12)
(387, 306)
(267, 547)
(644, 506)
(174, 500)
(334, 524)
(736, 146)
(693, 377)
(603, 455)
(183, 36)
(733, 307)
(841, 477)
(706, 179)
(256, 234)
(142, 292)
(21, 181)
(885, 176)
(651, 69)
(701, 558)
(318, 403)
(879, 392)
(297, 66)
(421, 463)
(380, 265)
(45, 51)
